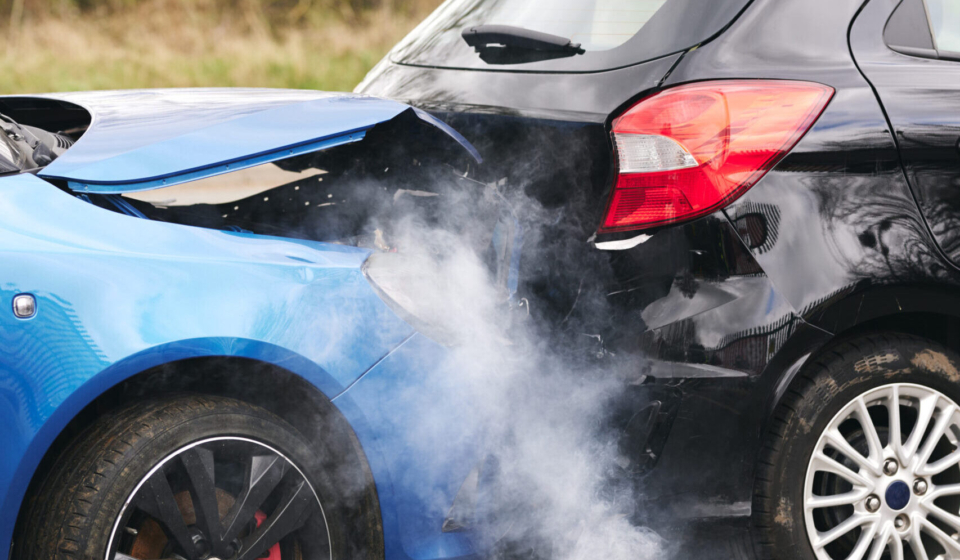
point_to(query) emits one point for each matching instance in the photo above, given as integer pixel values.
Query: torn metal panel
(142, 140)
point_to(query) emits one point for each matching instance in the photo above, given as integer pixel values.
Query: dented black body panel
(726, 309)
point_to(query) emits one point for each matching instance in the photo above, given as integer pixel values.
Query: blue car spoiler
(147, 139)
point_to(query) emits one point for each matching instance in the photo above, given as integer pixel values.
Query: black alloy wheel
(222, 498)
(200, 478)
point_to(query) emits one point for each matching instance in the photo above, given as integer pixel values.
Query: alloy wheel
(883, 480)
(226, 498)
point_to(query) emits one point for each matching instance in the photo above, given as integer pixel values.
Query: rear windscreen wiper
(482, 37)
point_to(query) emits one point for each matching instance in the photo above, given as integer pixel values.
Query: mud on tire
(821, 390)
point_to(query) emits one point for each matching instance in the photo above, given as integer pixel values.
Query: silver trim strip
(622, 244)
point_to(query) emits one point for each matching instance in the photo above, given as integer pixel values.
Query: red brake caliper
(274, 552)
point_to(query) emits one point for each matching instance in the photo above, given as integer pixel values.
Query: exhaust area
(554, 481)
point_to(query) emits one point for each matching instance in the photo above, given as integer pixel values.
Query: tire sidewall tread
(820, 390)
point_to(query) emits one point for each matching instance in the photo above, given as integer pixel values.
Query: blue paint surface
(147, 139)
(427, 460)
(118, 295)
(186, 176)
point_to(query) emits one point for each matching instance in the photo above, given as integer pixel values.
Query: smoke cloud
(533, 387)
(544, 400)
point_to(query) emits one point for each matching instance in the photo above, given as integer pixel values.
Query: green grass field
(184, 43)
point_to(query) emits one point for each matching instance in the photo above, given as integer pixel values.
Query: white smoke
(542, 406)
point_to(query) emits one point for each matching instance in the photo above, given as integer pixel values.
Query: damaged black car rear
(752, 210)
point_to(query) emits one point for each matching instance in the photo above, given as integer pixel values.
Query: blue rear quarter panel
(118, 295)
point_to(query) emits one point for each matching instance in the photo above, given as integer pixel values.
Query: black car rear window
(945, 21)
(612, 33)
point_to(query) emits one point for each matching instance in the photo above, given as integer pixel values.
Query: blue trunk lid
(145, 139)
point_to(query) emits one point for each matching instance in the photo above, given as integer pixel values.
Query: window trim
(933, 36)
(935, 53)
(927, 53)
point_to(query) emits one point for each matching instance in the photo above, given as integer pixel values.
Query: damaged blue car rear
(194, 363)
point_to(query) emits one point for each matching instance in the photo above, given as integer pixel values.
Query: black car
(764, 198)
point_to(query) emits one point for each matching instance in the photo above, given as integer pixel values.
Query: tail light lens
(690, 150)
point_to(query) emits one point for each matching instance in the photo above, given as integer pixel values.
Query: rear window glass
(945, 20)
(613, 33)
(597, 25)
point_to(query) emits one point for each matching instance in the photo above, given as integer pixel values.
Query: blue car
(205, 331)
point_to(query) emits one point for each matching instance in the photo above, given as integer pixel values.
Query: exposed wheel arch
(252, 381)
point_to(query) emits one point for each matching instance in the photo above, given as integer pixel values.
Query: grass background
(61, 45)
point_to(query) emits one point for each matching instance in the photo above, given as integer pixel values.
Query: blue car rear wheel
(192, 478)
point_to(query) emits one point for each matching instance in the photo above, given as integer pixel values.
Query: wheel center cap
(898, 495)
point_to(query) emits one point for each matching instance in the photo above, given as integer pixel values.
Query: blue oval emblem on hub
(898, 495)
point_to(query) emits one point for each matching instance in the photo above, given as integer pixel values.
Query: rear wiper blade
(481, 37)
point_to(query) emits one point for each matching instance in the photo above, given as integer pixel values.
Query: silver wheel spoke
(880, 544)
(845, 499)
(916, 544)
(896, 546)
(836, 439)
(943, 420)
(940, 465)
(849, 524)
(945, 540)
(893, 409)
(863, 543)
(925, 412)
(944, 490)
(824, 463)
(870, 431)
(945, 516)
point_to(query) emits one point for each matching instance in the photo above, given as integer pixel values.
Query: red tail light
(690, 150)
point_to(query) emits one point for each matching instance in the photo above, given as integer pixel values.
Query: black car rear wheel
(193, 478)
(863, 457)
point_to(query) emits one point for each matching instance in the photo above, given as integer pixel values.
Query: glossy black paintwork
(921, 97)
(847, 223)
(728, 308)
(572, 98)
(550, 143)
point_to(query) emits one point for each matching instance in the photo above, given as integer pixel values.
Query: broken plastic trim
(451, 132)
(622, 244)
(464, 508)
(139, 140)
(392, 281)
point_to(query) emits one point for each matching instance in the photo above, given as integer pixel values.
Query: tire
(143, 480)
(792, 474)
